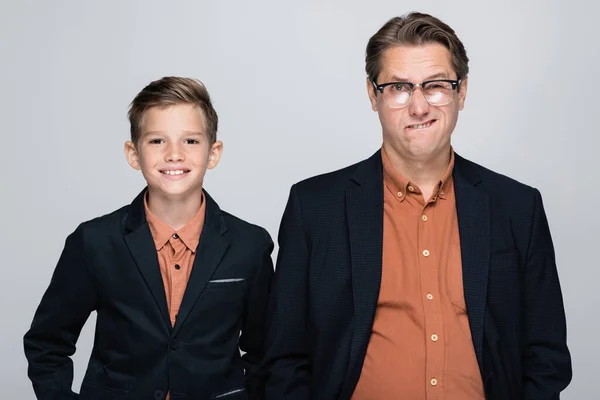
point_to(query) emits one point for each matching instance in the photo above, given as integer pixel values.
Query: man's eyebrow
(439, 75)
(442, 75)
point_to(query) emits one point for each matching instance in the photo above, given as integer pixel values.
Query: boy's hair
(170, 91)
(415, 29)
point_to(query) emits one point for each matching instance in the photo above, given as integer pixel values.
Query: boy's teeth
(173, 172)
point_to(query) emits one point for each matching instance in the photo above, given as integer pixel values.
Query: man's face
(419, 131)
(174, 151)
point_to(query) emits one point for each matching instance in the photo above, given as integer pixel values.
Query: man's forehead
(429, 61)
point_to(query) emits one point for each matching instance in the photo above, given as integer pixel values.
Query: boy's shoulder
(115, 223)
(109, 223)
(236, 227)
(241, 228)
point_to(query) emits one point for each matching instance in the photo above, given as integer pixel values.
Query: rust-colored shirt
(420, 347)
(176, 252)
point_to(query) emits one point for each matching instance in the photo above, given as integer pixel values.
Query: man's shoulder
(328, 182)
(495, 183)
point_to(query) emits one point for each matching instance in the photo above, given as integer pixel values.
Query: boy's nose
(174, 153)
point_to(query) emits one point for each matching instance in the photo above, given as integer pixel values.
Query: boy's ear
(214, 155)
(132, 155)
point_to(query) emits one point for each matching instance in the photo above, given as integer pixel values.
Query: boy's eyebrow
(152, 133)
(198, 133)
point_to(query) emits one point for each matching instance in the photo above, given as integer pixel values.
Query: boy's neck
(175, 212)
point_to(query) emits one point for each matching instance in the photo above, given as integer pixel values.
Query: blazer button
(159, 394)
(174, 345)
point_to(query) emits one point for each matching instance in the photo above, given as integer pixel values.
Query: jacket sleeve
(546, 359)
(65, 307)
(287, 363)
(253, 328)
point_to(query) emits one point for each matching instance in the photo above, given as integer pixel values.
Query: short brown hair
(169, 91)
(414, 29)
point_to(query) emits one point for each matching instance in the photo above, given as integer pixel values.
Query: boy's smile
(175, 174)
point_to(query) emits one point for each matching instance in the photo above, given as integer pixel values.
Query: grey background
(288, 83)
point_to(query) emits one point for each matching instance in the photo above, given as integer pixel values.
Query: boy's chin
(178, 192)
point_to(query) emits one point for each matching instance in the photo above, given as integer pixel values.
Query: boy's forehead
(186, 118)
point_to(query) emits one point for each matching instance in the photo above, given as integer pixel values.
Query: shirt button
(433, 381)
(175, 236)
(177, 266)
(411, 189)
(426, 253)
(434, 337)
(429, 296)
(424, 217)
(399, 194)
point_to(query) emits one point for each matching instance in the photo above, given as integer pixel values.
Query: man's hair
(170, 91)
(414, 29)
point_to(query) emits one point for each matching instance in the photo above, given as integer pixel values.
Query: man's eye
(400, 87)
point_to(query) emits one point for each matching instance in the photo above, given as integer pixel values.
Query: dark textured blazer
(110, 265)
(328, 276)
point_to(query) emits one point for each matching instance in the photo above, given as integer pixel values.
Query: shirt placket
(177, 273)
(428, 256)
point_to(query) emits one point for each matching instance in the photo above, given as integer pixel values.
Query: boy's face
(173, 151)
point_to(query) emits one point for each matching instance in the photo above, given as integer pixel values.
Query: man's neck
(425, 173)
(175, 212)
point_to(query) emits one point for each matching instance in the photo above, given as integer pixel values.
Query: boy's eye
(191, 141)
(155, 141)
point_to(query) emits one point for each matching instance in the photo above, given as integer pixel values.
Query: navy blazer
(328, 276)
(110, 265)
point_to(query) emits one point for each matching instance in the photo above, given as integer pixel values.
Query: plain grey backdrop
(288, 82)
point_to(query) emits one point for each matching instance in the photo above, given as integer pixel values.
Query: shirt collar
(401, 186)
(446, 182)
(189, 233)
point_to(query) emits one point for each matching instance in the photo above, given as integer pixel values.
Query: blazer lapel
(141, 246)
(473, 211)
(364, 207)
(211, 249)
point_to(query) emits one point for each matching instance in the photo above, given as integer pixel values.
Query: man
(416, 274)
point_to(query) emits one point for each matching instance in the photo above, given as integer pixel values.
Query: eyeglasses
(437, 92)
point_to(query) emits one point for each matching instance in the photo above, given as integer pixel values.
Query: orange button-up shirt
(176, 252)
(420, 347)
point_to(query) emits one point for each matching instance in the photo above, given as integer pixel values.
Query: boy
(173, 279)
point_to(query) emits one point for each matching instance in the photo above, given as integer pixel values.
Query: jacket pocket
(91, 390)
(239, 393)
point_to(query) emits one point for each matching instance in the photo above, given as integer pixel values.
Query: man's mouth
(423, 125)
